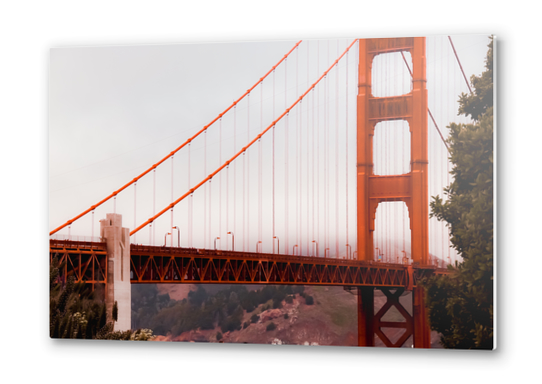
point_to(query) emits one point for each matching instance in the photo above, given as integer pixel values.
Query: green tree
(461, 304)
(76, 312)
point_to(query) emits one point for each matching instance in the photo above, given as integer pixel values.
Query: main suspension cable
(114, 194)
(246, 147)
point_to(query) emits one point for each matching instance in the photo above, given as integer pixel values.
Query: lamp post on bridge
(325, 252)
(317, 253)
(232, 241)
(348, 254)
(165, 238)
(178, 237)
(218, 238)
(259, 242)
(278, 244)
(293, 249)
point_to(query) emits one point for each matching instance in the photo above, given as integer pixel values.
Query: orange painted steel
(379, 324)
(410, 188)
(195, 266)
(85, 261)
(177, 149)
(174, 203)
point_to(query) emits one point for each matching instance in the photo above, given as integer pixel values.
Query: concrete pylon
(118, 270)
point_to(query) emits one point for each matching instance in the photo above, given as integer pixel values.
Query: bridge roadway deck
(170, 265)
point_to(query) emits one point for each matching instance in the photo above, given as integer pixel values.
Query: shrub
(298, 289)
(309, 300)
(285, 315)
(289, 299)
(254, 318)
(271, 326)
(277, 303)
(218, 336)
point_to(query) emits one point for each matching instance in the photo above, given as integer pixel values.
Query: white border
(29, 29)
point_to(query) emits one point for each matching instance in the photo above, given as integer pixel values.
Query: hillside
(310, 315)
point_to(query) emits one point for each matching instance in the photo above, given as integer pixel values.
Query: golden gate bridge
(319, 173)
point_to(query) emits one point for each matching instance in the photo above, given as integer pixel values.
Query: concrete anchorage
(117, 240)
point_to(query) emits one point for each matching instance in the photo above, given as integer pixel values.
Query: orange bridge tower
(410, 188)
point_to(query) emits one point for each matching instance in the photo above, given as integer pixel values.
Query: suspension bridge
(320, 173)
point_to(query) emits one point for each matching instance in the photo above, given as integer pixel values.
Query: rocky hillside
(315, 316)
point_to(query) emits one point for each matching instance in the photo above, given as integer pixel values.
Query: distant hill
(309, 315)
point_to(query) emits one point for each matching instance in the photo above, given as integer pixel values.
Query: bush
(298, 289)
(277, 303)
(286, 316)
(246, 324)
(271, 326)
(218, 336)
(309, 300)
(254, 318)
(289, 299)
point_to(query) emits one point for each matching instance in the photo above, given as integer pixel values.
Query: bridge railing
(89, 239)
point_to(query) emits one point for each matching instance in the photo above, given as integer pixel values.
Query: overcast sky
(116, 110)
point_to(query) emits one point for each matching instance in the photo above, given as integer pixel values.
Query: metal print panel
(318, 192)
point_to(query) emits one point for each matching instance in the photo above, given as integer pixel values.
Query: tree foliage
(461, 304)
(203, 309)
(76, 312)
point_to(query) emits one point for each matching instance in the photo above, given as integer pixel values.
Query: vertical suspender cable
(220, 184)
(260, 169)
(135, 206)
(210, 210)
(227, 199)
(204, 191)
(172, 200)
(244, 238)
(171, 228)
(190, 204)
(346, 150)
(234, 170)
(286, 197)
(404, 170)
(397, 159)
(273, 156)
(327, 148)
(313, 134)
(248, 176)
(337, 159)
(154, 199)
(308, 144)
(328, 160)
(318, 148)
(298, 174)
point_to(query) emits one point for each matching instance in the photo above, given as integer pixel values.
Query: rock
(270, 314)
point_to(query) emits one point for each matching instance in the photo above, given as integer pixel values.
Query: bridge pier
(422, 329)
(366, 332)
(370, 323)
(118, 288)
